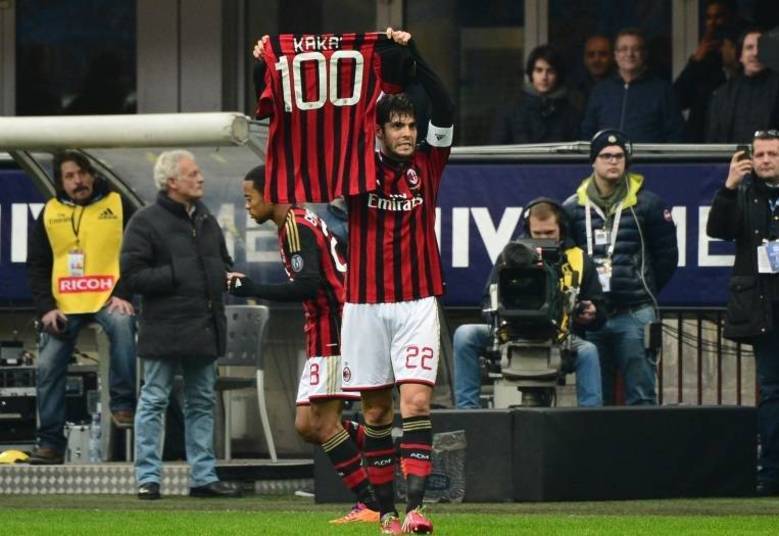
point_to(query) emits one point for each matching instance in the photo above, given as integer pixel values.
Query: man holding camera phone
(746, 211)
(73, 272)
(544, 219)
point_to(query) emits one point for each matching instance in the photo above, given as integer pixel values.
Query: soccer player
(390, 324)
(314, 261)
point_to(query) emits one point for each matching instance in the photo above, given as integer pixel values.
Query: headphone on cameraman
(557, 209)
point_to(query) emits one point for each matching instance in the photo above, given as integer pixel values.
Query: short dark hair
(70, 155)
(730, 5)
(256, 176)
(393, 104)
(743, 35)
(634, 31)
(544, 211)
(550, 55)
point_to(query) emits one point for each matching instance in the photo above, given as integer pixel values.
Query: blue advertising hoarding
(479, 208)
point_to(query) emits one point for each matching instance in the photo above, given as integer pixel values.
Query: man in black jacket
(745, 211)
(747, 102)
(545, 218)
(630, 235)
(174, 256)
(73, 272)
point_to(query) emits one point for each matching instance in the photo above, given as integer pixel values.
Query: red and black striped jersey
(309, 251)
(393, 252)
(321, 92)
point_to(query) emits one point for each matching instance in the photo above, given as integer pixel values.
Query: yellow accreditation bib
(85, 243)
(574, 263)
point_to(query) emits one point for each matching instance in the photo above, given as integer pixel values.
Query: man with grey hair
(174, 256)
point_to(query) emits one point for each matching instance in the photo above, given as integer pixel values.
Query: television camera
(531, 311)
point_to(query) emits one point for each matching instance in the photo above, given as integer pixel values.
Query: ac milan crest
(412, 178)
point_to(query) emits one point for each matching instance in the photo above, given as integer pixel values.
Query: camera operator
(746, 211)
(544, 218)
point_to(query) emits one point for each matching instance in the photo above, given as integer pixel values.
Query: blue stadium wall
(479, 209)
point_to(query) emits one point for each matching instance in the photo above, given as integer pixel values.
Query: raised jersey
(307, 247)
(320, 92)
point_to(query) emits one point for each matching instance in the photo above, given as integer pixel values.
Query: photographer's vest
(85, 244)
(574, 262)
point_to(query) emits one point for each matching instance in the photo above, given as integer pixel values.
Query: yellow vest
(574, 263)
(99, 227)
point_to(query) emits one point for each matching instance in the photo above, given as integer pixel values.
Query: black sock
(416, 446)
(348, 463)
(380, 460)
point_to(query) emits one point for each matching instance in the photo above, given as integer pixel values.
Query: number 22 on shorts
(417, 357)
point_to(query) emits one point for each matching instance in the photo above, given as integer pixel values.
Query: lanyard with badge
(768, 251)
(602, 237)
(76, 257)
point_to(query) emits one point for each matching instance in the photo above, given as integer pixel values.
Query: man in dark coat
(630, 235)
(745, 211)
(633, 100)
(747, 102)
(706, 69)
(174, 256)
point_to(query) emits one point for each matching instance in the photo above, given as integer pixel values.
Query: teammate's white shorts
(384, 344)
(321, 380)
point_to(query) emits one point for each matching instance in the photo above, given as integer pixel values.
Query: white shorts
(384, 344)
(321, 380)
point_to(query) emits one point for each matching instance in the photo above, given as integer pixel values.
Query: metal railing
(698, 366)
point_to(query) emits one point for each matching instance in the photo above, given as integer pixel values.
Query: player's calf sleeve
(348, 463)
(380, 458)
(356, 432)
(415, 448)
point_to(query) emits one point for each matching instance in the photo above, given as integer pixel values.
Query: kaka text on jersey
(316, 42)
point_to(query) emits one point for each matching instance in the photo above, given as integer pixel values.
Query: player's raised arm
(258, 76)
(442, 106)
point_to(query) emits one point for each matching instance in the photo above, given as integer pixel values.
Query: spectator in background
(73, 271)
(745, 211)
(705, 71)
(629, 233)
(634, 101)
(174, 256)
(598, 62)
(748, 101)
(544, 112)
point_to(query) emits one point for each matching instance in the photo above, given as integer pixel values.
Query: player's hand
(739, 168)
(587, 313)
(399, 36)
(118, 305)
(229, 277)
(54, 321)
(240, 285)
(258, 51)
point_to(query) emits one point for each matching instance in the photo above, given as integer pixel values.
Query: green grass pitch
(121, 515)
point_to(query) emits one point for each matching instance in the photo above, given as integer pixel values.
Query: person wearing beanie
(630, 235)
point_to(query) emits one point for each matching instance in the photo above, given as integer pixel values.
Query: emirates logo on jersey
(347, 374)
(394, 203)
(412, 178)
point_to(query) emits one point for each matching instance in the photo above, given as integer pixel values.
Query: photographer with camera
(544, 219)
(746, 211)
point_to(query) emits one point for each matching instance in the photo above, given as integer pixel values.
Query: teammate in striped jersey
(314, 262)
(390, 327)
